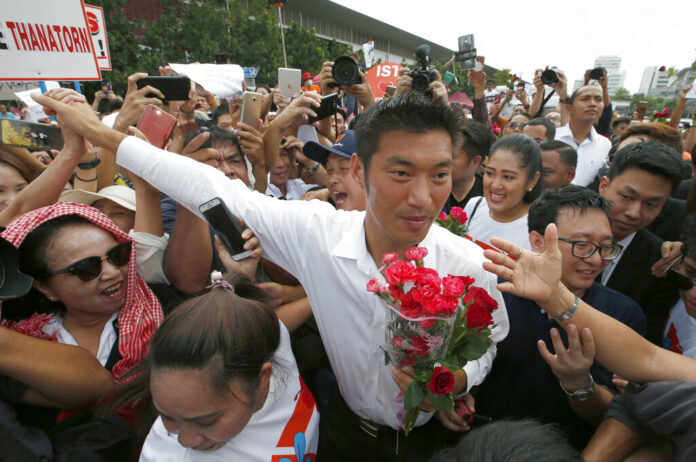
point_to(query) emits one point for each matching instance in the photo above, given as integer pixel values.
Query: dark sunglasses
(680, 281)
(90, 268)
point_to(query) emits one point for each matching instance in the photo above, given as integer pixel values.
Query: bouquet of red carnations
(434, 325)
(455, 222)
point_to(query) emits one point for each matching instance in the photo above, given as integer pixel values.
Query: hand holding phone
(157, 125)
(328, 107)
(251, 108)
(226, 227)
(172, 88)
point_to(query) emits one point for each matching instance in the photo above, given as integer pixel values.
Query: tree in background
(622, 94)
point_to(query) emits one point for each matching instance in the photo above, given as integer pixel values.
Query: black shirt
(476, 190)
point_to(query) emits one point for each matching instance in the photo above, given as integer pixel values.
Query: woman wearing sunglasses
(516, 123)
(83, 267)
(510, 185)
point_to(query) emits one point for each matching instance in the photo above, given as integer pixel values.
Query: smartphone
(106, 87)
(251, 108)
(520, 86)
(226, 227)
(329, 104)
(157, 125)
(16, 132)
(466, 56)
(173, 88)
(499, 97)
(289, 81)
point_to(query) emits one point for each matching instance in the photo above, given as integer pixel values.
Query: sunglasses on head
(680, 281)
(90, 268)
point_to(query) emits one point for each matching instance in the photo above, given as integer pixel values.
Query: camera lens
(420, 82)
(345, 71)
(549, 77)
(597, 73)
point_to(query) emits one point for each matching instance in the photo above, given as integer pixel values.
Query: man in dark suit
(639, 182)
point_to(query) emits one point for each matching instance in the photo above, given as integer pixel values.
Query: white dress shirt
(593, 153)
(325, 250)
(106, 340)
(296, 188)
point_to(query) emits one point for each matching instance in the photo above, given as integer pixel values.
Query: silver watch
(582, 394)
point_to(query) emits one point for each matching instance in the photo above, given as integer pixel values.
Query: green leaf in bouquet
(387, 359)
(414, 396)
(440, 401)
(410, 420)
(475, 347)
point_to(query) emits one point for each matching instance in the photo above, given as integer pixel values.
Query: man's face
(231, 161)
(554, 117)
(638, 197)
(489, 86)
(340, 122)
(346, 193)
(518, 109)
(554, 172)
(619, 128)
(408, 181)
(593, 226)
(588, 104)
(225, 121)
(280, 173)
(123, 217)
(3, 108)
(538, 132)
(462, 168)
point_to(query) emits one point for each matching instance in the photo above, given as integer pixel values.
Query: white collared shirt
(609, 269)
(593, 153)
(296, 188)
(106, 341)
(325, 249)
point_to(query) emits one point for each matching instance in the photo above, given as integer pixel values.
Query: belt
(374, 429)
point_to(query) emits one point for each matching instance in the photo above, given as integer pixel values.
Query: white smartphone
(289, 81)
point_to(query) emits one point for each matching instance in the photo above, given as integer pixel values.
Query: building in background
(656, 83)
(616, 77)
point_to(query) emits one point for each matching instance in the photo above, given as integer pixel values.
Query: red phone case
(157, 125)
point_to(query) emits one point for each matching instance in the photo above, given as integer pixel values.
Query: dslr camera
(597, 73)
(346, 71)
(549, 76)
(422, 75)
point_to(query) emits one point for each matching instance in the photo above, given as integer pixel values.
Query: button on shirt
(593, 153)
(325, 249)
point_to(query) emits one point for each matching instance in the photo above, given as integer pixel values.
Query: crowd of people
(130, 331)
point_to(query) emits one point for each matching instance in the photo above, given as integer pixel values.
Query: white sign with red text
(97, 28)
(46, 40)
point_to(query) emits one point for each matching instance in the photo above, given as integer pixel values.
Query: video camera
(422, 75)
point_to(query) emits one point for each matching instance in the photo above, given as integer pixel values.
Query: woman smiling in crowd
(510, 184)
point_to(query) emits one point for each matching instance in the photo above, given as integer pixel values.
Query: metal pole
(282, 37)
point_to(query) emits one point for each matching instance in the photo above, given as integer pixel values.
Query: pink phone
(157, 125)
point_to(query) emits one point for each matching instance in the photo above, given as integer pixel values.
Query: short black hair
(545, 209)
(490, 81)
(620, 120)
(115, 104)
(476, 139)
(530, 158)
(505, 440)
(222, 109)
(688, 236)
(550, 126)
(218, 134)
(567, 153)
(574, 95)
(412, 113)
(653, 157)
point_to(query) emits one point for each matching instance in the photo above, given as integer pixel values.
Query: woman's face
(202, 418)
(504, 185)
(84, 300)
(516, 124)
(11, 183)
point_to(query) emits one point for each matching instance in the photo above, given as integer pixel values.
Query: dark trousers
(344, 438)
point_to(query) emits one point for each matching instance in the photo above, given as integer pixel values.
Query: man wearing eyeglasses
(570, 388)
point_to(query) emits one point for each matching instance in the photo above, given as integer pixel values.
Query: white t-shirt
(287, 421)
(490, 97)
(482, 227)
(680, 331)
(106, 341)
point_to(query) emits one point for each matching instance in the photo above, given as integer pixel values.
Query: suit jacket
(667, 226)
(632, 277)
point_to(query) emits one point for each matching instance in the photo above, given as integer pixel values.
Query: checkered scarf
(140, 315)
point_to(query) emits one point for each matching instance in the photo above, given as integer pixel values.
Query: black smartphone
(329, 105)
(226, 227)
(173, 88)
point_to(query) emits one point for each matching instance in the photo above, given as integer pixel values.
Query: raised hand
(571, 365)
(135, 102)
(530, 275)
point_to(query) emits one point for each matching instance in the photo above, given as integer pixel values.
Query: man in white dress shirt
(585, 106)
(405, 147)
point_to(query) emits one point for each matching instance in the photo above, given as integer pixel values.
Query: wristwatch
(582, 394)
(314, 169)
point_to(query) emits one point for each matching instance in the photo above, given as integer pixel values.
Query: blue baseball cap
(344, 147)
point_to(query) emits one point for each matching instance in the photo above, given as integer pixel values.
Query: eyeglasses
(681, 281)
(515, 124)
(90, 268)
(584, 249)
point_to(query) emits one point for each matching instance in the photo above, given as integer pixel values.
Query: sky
(524, 36)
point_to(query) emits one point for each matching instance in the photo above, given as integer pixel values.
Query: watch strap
(582, 394)
(89, 165)
(569, 313)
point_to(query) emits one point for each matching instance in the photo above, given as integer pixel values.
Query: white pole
(282, 37)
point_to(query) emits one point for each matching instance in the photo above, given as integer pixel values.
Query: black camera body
(597, 73)
(422, 75)
(549, 77)
(345, 71)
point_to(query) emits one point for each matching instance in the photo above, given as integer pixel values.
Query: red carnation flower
(374, 286)
(453, 286)
(400, 272)
(416, 253)
(389, 257)
(457, 213)
(417, 346)
(443, 216)
(441, 381)
(466, 280)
